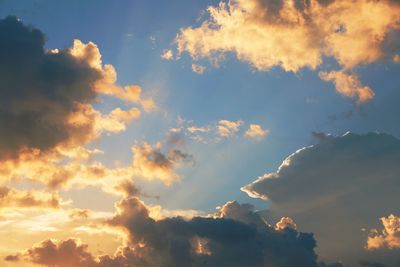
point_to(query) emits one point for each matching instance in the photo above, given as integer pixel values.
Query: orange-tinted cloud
(12, 198)
(293, 34)
(389, 237)
(348, 85)
(256, 131)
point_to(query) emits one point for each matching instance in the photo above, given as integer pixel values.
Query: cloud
(292, 34)
(11, 198)
(47, 96)
(226, 128)
(223, 241)
(390, 235)
(348, 85)
(66, 253)
(234, 236)
(199, 69)
(152, 164)
(167, 54)
(256, 131)
(396, 59)
(345, 182)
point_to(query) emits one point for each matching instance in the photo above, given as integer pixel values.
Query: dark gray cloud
(338, 189)
(214, 241)
(203, 241)
(39, 90)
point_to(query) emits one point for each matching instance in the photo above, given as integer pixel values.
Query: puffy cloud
(228, 128)
(348, 85)
(388, 237)
(256, 131)
(285, 222)
(344, 182)
(240, 212)
(292, 34)
(11, 198)
(152, 164)
(234, 236)
(203, 241)
(396, 59)
(199, 69)
(167, 54)
(68, 253)
(50, 93)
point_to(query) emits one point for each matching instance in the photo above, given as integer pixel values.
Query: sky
(176, 133)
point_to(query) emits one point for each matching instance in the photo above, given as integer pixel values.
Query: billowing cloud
(343, 183)
(256, 131)
(235, 236)
(292, 34)
(390, 235)
(51, 93)
(203, 241)
(66, 253)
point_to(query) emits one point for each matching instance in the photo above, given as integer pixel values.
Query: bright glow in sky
(178, 133)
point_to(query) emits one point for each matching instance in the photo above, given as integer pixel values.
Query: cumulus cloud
(256, 131)
(51, 93)
(390, 235)
(234, 236)
(292, 34)
(152, 164)
(345, 182)
(226, 128)
(348, 85)
(223, 241)
(66, 253)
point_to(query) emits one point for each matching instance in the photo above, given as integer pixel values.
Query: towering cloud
(293, 34)
(46, 95)
(337, 188)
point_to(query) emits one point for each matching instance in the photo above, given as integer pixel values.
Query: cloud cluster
(293, 34)
(390, 235)
(222, 129)
(345, 182)
(199, 241)
(227, 128)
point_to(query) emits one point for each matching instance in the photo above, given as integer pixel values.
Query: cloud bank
(345, 183)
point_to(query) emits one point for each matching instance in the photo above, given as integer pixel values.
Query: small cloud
(199, 69)
(348, 85)
(256, 131)
(167, 54)
(227, 128)
(396, 59)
